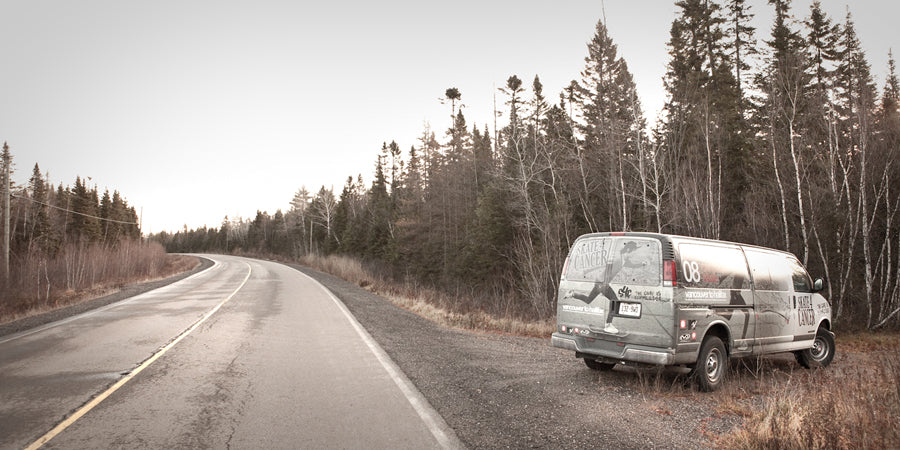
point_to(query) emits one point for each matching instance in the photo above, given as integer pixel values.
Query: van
(665, 300)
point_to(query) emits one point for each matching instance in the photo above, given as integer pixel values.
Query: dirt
(500, 391)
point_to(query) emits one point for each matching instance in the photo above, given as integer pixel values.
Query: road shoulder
(516, 392)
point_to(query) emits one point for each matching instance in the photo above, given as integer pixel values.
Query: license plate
(630, 309)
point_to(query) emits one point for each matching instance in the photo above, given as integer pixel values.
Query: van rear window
(619, 260)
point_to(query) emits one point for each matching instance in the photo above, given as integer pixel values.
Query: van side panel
(714, 288)
(787, 311)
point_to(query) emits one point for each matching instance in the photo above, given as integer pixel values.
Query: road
(246, 354)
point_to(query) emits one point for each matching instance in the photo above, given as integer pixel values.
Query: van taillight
(669, 276)
(565, 268)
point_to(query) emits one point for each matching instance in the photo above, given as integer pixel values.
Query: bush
(38, 282)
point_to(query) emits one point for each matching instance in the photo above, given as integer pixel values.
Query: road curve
(246, 354)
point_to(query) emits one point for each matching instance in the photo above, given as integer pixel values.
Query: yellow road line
(103, 396)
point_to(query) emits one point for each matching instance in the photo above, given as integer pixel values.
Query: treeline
(786, 144)
(68, 240)
(45, 218)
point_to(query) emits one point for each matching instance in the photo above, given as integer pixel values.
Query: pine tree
(40, 234)
(703, 136)
(5, 215)
(822, 38)
(85, 227)
(379, 231)
(742, 46)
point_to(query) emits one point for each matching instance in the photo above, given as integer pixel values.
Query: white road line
(433, 421)
(96, 400)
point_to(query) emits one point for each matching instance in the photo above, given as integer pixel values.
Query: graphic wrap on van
(715, 279)
(789, 312)
(612, 289)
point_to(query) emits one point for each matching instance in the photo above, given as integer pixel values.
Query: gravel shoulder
(500, 391)
(81, 307)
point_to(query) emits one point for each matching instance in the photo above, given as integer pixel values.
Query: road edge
(128, 291)
(440, 429)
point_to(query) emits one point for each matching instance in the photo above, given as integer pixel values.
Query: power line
(73, 212)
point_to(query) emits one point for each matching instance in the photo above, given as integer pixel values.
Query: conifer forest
(778, 137)
(66, 242)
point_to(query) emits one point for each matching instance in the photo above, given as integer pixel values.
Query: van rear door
(612, 290)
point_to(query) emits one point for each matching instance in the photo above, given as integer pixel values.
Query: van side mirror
(818, 285)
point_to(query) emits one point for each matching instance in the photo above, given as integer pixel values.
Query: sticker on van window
(706, 294)
(583, 309)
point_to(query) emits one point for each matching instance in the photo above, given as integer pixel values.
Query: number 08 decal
(691, 271)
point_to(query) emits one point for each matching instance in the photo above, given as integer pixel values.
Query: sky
(194, 110)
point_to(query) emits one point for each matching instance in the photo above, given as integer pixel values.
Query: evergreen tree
(40, 234)
(742, 46)
(379, 230)
(704, 135)
(85, 225)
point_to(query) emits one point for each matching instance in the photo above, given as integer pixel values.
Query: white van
(673, 300)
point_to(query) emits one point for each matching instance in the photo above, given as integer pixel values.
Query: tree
(323, 209)
(703, 134)
(5, 169)
(40, 233)
(612, 127)
(742, 46)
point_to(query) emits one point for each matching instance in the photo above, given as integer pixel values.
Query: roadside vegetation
(82, 271)
(69, 244)
(445, 309)
(853, 403)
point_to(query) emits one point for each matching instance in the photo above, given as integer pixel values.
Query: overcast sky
(195, 110)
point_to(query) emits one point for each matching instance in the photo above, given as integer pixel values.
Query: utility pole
(7, 162)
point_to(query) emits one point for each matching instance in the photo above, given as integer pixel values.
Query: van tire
(597, 365)
(821, 353)
(712, 364)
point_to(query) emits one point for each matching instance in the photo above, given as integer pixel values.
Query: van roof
(669, 239)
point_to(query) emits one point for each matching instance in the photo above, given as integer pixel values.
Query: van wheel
(821, 353)
(597, 365)
(712, 364)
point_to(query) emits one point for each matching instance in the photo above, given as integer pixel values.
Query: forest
(779, 138)
(69, 242)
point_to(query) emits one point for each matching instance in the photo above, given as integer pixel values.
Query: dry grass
(853, 403)
(441, 308)
(82, 271)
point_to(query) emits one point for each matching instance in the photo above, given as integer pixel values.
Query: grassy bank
(39, 283)
(445, 309)
(853, 403)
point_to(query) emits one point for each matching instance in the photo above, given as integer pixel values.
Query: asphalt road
(246, 354)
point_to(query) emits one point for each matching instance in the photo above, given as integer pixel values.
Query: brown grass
(444, 309)
(82, 271)
(853, 403)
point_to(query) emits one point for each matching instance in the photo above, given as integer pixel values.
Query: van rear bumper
(631, 353)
